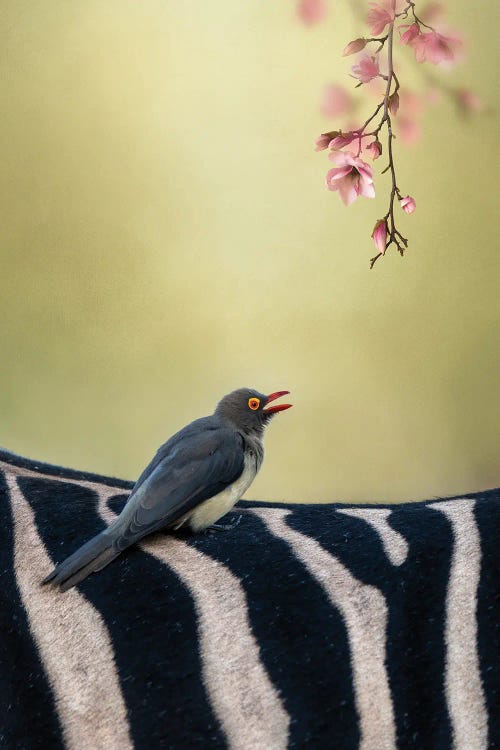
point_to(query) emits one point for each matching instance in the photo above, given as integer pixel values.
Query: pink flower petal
(343, 139)
(365, 171)
(367, 190)
(341, 158)
(338, 173)
(348, 192)
(411, 33)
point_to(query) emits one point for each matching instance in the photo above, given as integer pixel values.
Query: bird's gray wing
(164, 451)
(195, 469)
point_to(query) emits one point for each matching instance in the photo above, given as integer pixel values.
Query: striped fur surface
(307, 626)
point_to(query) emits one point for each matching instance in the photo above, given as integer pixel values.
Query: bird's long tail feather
(92, 556)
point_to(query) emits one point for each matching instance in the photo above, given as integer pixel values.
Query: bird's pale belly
(211, 510)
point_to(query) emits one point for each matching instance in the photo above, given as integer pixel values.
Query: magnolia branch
(352, 176)
(385, 232)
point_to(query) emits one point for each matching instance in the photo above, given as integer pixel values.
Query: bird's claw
(224, 526)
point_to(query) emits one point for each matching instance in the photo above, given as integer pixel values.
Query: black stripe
(302, 639)
(487, 512)
(416, 635)
(415, 595)
(151, 619)
(28, 718)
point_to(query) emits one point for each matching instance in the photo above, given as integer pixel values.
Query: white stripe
(73, 642)
(20, 471)
(243, 698)
(395, 545)
(364, 611)
(464, 690)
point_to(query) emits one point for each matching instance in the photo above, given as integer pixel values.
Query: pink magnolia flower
(442, 46)
(436, 48)
(336, 101)
(374, 149)
(408, 204)
(381, 14)
(378, 17)
(311, 11)
(355, 46)
(343, 139)
(379, 235)
(366, 68)
(352, 177)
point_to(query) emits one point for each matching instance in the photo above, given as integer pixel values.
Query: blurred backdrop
(166, 237)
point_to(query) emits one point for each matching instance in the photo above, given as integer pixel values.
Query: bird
(194, 479)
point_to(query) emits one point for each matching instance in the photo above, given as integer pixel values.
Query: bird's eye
(254, 403)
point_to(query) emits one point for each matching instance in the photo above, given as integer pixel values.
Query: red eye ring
(253, 403)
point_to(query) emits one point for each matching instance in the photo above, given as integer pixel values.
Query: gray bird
(194, 479)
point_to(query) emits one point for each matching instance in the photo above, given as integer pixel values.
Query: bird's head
(248, 410)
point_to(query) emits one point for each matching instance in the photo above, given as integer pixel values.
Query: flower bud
(374, 149)
(408, 204)
(379, 235)
(322, 141)
(343, 139)
(355, 46)
(394, 103)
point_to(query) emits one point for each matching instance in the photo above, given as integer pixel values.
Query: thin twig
(393, 235)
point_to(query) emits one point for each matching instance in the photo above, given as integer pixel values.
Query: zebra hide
(329, 627)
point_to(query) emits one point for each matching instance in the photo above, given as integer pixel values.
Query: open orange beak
(276, 407)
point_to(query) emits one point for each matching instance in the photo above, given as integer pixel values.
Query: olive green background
(166, 237)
